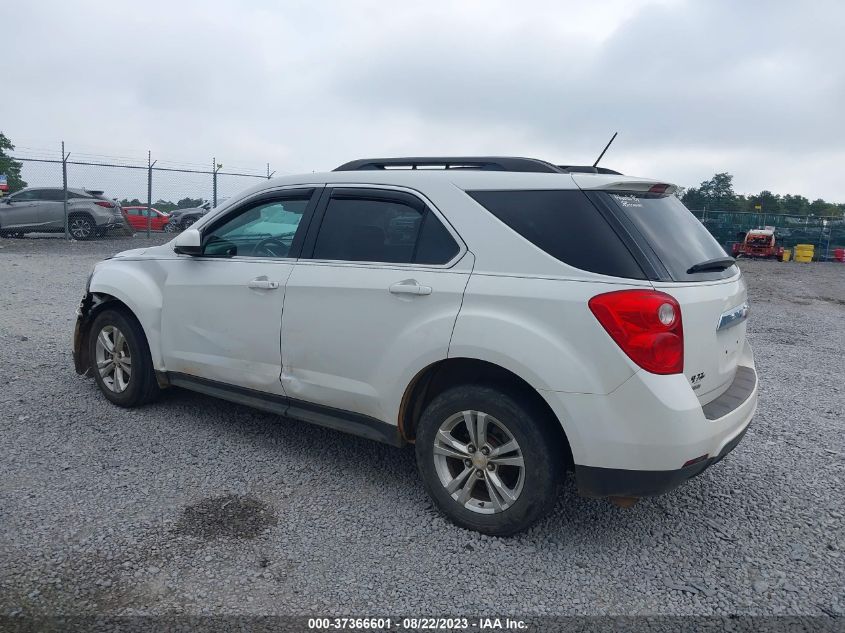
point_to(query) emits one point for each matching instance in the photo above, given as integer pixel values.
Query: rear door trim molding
(329, 417)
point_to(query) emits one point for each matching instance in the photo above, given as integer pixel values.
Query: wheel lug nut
(485, 451)
(467, 463)
(471, 448)
(479, 473)
(491, 466)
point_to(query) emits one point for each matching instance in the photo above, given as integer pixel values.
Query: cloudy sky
(754, 88)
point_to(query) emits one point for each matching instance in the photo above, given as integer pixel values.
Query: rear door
(372, 300)
(51, 209)
(713, 298)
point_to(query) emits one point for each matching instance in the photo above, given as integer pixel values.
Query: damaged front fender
(81, 360)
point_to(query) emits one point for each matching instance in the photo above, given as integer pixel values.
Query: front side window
(362, 229)
(26, 196)
(263, 230)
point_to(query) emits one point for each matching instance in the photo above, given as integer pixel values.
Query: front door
(20, 210)
(222, 310)
(372, 300)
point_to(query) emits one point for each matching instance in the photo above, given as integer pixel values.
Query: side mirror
(188, 242)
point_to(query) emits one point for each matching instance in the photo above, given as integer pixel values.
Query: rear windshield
(675, 235)
(566, 225)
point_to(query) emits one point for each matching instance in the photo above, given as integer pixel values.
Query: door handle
(409, 287)
(262, 283)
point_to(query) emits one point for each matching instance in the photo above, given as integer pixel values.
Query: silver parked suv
(33, 210)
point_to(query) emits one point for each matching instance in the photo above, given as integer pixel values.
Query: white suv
(510, 317)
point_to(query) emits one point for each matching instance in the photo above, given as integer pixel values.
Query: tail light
(646, 324)
(105, 203)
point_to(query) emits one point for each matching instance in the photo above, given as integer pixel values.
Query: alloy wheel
(80, 228)
(114, 361)
(479, 462)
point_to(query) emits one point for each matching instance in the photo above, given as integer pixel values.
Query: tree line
(717, 194)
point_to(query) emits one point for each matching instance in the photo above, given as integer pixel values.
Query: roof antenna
(605, 149)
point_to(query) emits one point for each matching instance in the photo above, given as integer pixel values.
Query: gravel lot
(198, 506)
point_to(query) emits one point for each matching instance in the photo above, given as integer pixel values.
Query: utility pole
(64, 186)
(214, 183)
(150, 164)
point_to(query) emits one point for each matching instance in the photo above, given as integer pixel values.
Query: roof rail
(484, 163)
(588, 169)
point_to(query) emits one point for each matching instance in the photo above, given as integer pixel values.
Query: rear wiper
(719, 263)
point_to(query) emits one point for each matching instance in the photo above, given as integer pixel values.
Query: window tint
(53, 195)
(675, 235)
(23, 196)
(382, 230)
(566, 225)
(436, 245)
(265, 230)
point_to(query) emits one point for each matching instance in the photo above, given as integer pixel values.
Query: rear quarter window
(566, 225)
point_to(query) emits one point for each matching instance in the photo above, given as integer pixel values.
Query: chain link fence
(826, 234)
(163, 186)
(168, 186)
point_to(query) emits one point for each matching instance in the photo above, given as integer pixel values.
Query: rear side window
(566, 225)
(53, 195)
(379, 229)
(674, 234)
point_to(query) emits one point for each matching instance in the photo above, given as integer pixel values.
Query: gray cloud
(755, 88)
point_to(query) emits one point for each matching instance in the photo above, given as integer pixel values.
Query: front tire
(120, 359)
(489, 461)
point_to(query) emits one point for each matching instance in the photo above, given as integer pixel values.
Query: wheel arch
(444, 374)
(133, 293)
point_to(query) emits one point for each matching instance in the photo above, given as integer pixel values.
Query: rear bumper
(594, 481)
(652, 433)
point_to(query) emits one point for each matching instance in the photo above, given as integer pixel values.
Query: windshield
(676, 236)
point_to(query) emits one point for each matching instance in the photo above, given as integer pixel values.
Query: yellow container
(787, 254)
(805, 248)
(803, 258)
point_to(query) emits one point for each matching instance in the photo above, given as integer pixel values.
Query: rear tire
(120, 359)
(516, 468)
(81, 226)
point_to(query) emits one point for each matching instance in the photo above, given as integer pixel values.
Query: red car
(137, 218)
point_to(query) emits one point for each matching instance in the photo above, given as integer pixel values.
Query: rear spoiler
(607, 182)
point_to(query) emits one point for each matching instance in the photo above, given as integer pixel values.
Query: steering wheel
(273, 246)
